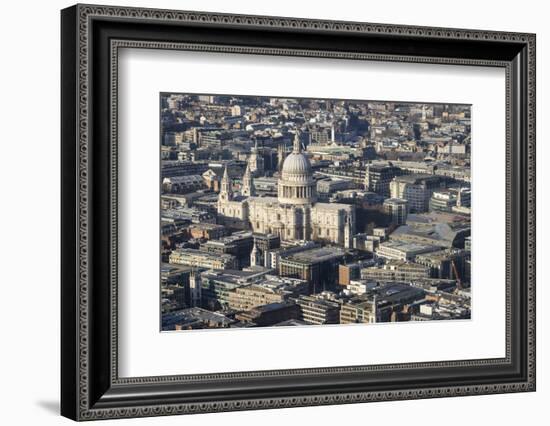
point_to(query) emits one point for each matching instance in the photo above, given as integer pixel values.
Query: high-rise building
(175, 280)
(217, 287)
(239, 244)
(416, 189)
(321, 136)
(464, 197)
(195, 289)
(264, 244)
(379, 176)
(443, 200)
(319, 266)
(348, 272)
(397, 209)
(318, 310)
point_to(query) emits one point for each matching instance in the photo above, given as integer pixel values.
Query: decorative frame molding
(87, 397)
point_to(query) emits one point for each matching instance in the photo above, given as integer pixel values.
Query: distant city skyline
(300, 211)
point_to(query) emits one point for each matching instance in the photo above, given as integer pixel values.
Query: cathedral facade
(295, 213)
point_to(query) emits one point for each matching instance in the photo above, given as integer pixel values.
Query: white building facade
(295, 213)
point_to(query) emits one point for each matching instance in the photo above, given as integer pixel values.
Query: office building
(443, 200)
(358, 310)
(182, 184)
(445, 264)
(318, 266)
(446, 230)
(403, 251)
(271, 289)
(194, 318)
(270, 314)
(378, 177)
(348, 272)
(239, 244)
(207, 231)
(396, 270)
(318, 310)
(397, 209)
(264, 244)
(218, 285)
(202, 259)
(417, 189)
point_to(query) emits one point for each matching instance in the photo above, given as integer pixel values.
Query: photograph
(281, 211)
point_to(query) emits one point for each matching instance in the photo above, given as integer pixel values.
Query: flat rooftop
(413, 178)
(174, 267)
(237, 236)
(408, 247)
(318, 254)
(192, 315)
(395, 201)
(195, 252)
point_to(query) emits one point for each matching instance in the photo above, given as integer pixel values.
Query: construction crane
(457, 276)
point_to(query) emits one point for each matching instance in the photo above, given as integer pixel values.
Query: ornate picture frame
(91, 38)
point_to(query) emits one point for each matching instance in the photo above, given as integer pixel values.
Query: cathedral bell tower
(226, 190)
(248, 189)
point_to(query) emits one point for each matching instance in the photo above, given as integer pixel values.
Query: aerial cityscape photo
(294, 212)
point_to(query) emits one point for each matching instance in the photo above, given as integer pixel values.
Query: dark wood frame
(90, 386)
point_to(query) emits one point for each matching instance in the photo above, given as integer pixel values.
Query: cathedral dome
(296, 167)
(296, 184)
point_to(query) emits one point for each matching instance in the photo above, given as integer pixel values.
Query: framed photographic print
(263, 212)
